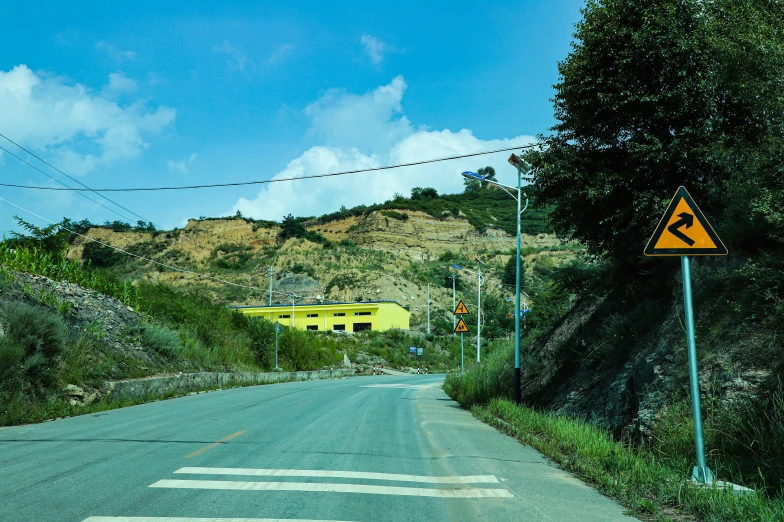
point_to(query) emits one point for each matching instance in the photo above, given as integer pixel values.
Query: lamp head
(473, 175)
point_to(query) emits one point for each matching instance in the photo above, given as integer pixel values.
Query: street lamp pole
(518, 163)
(454, 305)
(518, 391)
(478, 309)
(293, 298)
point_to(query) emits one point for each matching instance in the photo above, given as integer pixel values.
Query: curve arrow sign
(686, 220)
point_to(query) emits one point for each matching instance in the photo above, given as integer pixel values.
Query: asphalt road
(369, 449)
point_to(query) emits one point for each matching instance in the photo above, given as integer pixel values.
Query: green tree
(471, 185)
(423, 193)
(660, 94)
(487, 173)
(510, 273)
(52, 239)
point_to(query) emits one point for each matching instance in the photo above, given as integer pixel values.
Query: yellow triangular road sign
(684, 231)
(461, 309)
(461, 326)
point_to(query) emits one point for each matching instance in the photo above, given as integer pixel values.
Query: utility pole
(428, 309)
(270, 271)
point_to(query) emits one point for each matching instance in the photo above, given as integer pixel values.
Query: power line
(264, 182)
(131, 253)
(63, 184)
(69, 177)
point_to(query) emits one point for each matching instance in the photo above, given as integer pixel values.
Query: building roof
(321, 305)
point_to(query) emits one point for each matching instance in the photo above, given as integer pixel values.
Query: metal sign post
(462, 356)
(701, 472)
(461, 309)
(684, 231)
(278, 328)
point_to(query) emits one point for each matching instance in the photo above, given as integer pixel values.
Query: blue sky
(170, 93)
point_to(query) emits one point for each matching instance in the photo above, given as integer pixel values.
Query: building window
(361, 327)
(361, 313)
(339, 328)
(339, 314)
(312, 315)
(312, 327)
(285, 316)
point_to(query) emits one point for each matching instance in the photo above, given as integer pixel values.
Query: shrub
(262, 340)
(162, 340)
(400, 216)
(100, 256)
(34, 340)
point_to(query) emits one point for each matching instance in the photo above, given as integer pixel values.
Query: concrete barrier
(188, 382)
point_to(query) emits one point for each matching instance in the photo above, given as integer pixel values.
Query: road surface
(375, 449)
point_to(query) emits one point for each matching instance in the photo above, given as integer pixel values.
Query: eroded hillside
(377, 255)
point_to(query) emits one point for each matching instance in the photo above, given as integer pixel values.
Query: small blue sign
(420, 352)
(412, 349)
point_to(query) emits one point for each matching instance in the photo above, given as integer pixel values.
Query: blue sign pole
(701, 472)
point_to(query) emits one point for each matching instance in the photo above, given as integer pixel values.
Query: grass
(634, 477)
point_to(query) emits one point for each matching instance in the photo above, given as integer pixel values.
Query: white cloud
(368, 131)
(115, 54)
(181, 166)
(374, 48)
(372, 121)
(119, 84)
(279, 53)
(80, 129)
(237, 58)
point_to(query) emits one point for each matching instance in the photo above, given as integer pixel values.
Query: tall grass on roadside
(636, 478)
(55, 266)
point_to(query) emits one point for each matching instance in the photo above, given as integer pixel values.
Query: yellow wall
(381, 315)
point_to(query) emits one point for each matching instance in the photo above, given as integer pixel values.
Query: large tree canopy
(657, 94)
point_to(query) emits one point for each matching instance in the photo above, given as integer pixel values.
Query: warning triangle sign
(684, 231)
(461, 326)
(461, 309)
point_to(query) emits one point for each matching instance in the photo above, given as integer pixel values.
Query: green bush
(162, 340)
(400, 216)
(262, 340)
(100, 256)
(495, 378)
(230, 256)
(34, 339)
(11, 357)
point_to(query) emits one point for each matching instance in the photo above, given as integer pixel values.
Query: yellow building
(342, 317)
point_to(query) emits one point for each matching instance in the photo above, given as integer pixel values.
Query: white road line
(186, 519)
(250, 472)
(398, 385)
(333, 488)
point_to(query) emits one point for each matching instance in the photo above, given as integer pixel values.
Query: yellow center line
(217, 443)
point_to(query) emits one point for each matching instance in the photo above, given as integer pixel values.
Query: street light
(518, 163)
(293, 297)
(479, 280)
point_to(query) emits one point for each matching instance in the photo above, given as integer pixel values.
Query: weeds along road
(361, 449)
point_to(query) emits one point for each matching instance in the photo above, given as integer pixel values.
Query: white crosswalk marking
(334, 488)
(362, 475)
